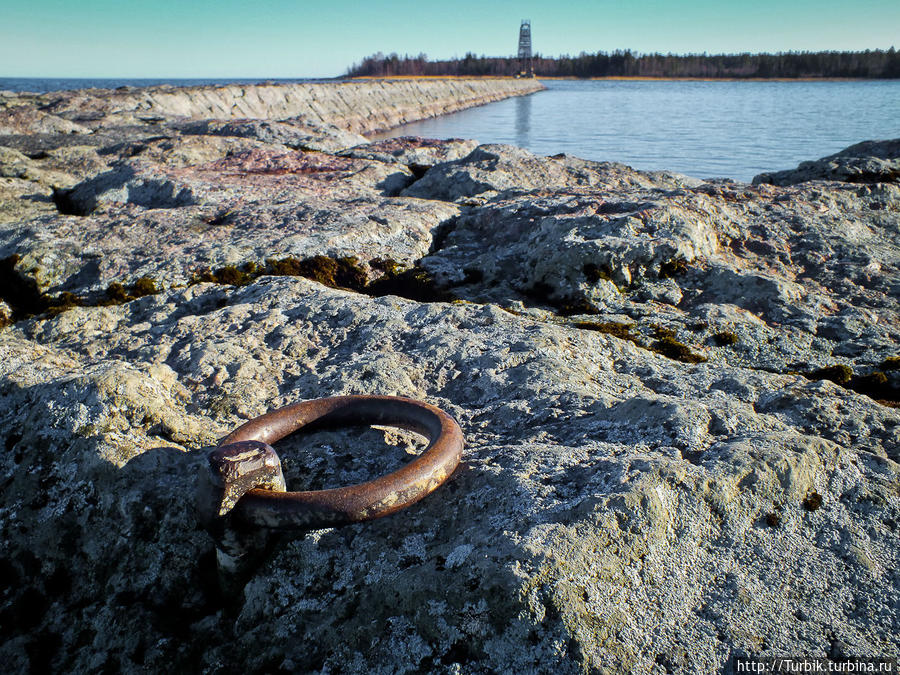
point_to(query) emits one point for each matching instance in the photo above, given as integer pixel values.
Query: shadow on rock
(104, 557)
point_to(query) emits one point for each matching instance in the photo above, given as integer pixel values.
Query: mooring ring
(262, 502)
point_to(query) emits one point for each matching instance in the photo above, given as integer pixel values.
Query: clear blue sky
(278, 38)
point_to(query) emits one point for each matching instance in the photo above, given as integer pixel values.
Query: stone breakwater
(358, 106)
(680, 399)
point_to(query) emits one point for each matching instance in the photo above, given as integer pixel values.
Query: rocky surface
(359, 106)
(679, 400)
(866, 162)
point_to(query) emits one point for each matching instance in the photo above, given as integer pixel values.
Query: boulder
(506, 167)
(420, 154)
(866, 162)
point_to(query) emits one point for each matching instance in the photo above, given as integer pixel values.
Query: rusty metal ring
(247, 472)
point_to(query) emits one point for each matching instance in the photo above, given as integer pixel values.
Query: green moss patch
(346, 272)
(386, 266)
(876, 384)
(117, 294)
(144, 286)
(813, 502)
(662, 333)
(21, 293)
(229, 275)
(64, 301)
(665, 343)
(839, 374)
(343, 272)
(577, 306)
(413, 283)
(614, 328)
(673, 349)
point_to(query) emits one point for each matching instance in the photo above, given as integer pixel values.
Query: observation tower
(525, 68)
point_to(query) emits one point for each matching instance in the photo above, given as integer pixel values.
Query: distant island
(868, 64)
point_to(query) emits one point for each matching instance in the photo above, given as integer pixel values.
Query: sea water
(730, 129)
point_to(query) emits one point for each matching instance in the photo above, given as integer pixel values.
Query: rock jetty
(359, 106)
(680, 397)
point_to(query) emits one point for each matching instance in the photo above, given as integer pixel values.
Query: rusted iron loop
(270, 507)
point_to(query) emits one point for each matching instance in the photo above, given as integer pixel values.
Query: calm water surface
(704, 129)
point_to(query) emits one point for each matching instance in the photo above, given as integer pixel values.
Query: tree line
(875, 63)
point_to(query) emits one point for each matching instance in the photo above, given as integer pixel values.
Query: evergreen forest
(868, 64)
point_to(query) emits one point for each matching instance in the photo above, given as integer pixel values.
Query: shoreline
(623, 78)
(722, 79)
(627, 78)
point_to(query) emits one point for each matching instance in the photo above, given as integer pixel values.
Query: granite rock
(420, 154)
(679, 401)
(296, 133)
(24, 119)
(356, 106)
(192, 202)
(866, 162)
(789, 259)
(494, 168)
